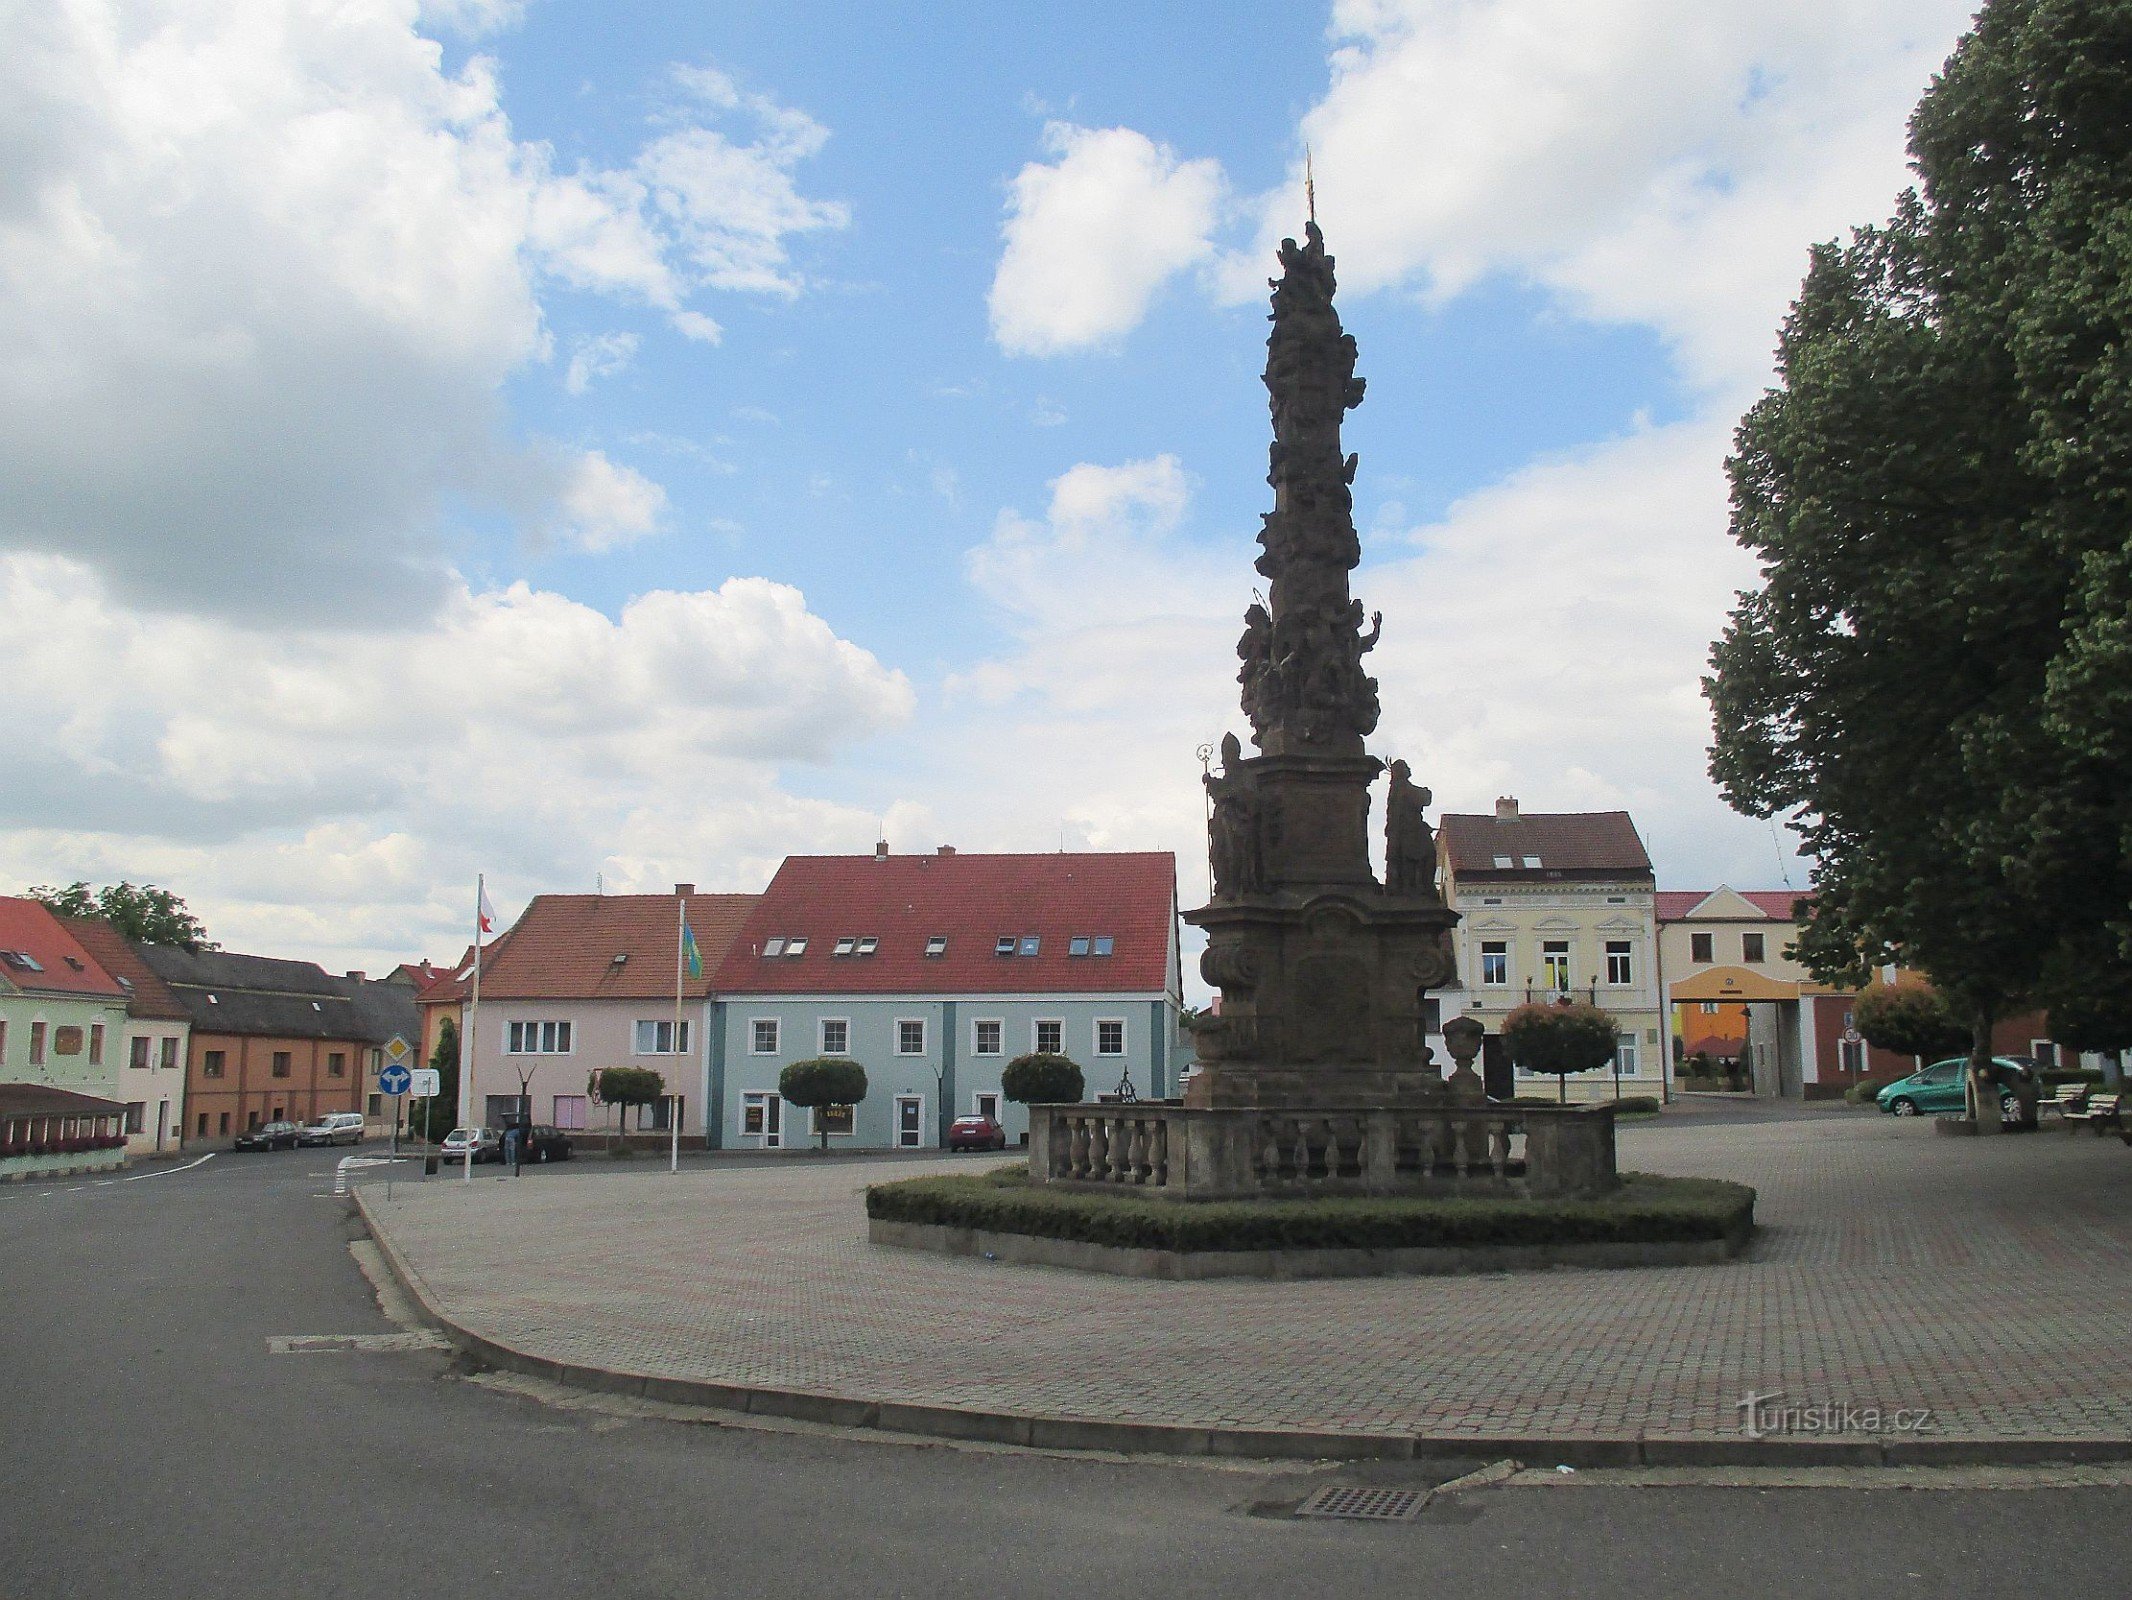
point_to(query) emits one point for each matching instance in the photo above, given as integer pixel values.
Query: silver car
(481, 1141)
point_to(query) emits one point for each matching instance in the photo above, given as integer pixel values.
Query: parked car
(481, 1141)
(976, 1133)
(545, 1143)
(1939, 1088)
(335, 1127)
(270, 1136)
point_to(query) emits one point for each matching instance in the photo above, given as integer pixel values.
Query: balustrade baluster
(1499, 1146)
(1159, 1153)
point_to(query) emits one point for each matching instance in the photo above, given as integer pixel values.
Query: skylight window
(1102, 943)
(773, 947)
(21, 960)
(1005, 947)
(1030, 944)
(1078, 945)
(621, 958)
(937, 945)
(796, 947)
(75, 963)
(868, 945)
(845, 946)
(1532, 861)
(1504, 861)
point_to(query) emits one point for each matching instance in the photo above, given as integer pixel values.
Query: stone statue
(1235, 836)
(1409, 842)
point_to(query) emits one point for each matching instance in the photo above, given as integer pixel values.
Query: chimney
(945, 850)
(1506, 808)
(359, 977)
(881, 850)
(683, 890)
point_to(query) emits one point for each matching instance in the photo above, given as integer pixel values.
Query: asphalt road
(153, 1446)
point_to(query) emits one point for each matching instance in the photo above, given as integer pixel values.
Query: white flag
(487, 911)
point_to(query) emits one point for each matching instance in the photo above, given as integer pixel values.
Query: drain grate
(1351, 1504)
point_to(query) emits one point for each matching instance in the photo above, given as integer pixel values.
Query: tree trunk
(1562, 1087)
(1981, 1093)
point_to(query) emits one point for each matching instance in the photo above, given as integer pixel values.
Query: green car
(1939, 1088)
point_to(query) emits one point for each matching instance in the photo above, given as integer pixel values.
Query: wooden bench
(2069, 1100)
(2100, 1113)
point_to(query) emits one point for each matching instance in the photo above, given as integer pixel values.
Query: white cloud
(695, 325)
(605, 506)
(269, 267)
(1658, 161)
(1091, 237)
(598, 356)
(312, 793)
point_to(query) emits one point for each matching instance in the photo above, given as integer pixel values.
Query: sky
(623, 444)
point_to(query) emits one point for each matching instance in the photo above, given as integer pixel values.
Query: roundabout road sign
(394, 1079)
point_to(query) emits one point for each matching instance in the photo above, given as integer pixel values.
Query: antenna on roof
(599, 883)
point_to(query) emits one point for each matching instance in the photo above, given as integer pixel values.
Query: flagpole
(473, 1033)
(673, 1119)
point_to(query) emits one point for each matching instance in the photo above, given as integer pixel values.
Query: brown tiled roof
(564, 947)
(972, 902)
(146, 993)
(1673, 905)
(1567, 844)
(29, 928)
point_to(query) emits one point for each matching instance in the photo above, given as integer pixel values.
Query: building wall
(602, 1034)
(949, 1075)
(77, 1069)
(1587, 916)
(154, 1094)
(247, 1093)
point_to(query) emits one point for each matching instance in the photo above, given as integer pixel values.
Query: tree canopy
(1560, 1039)
(1910, 1019)
(1043, 1078)
(434, 1116)
(820, 1083)
(139, 911)
(626, 1086)
(1932, 679)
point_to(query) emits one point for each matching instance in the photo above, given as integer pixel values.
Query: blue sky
(633, 442)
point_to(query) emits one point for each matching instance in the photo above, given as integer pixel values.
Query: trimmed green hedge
(1644, 1210)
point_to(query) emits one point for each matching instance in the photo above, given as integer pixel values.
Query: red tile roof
(148, 995)
(1673, 905)
(971, 901)
(564, 947)
(1569, 844)
(28, 927)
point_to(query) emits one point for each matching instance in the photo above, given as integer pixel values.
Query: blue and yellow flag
(689, 952)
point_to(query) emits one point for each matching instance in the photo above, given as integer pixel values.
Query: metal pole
(673, 1106)
(473, 1034)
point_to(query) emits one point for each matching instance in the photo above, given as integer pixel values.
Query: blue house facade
(933, 972)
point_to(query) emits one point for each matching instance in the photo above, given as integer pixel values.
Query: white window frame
(821, 1037)
(1037, 1023)
(1095, 1038)
(755, 1028)
(655, 1024)
(999, 1036)
(1558, 979)
(895, 1127)
(555, 1112)
(910, 1022)
(1628, 1056)
(1501, 947)
(1623, 950)
(767, 1137)
(979, 1099)
(548, 1037)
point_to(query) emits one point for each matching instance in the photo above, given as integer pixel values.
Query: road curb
(1120, 1436)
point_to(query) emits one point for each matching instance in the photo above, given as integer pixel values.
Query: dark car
(544, 1143)
(270, 1136)
(976, 1133)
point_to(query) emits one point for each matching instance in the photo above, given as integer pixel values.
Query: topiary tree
(622, 1087)
(1560, 1039)
(820, 1083)
(1910, 1019)
(1043, 1078)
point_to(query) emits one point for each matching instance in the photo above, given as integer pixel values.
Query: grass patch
(1644, 1210)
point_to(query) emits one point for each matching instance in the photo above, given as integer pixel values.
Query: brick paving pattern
(1990, 1280)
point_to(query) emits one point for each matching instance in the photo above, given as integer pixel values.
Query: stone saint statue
(1235, 836)
(1409, 842)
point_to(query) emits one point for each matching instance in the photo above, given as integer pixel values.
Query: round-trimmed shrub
(1043, 1079)
(822, 1082)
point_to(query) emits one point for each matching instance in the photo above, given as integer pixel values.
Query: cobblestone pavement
(1989, 1280)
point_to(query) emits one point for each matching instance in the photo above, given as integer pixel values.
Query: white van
(335, 1127)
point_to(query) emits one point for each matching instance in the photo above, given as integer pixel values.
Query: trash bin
(429, 1165)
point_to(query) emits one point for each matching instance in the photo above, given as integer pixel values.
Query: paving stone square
(1988, 1280)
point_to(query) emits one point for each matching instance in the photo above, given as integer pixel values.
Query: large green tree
(139, 911)
(1938, 491)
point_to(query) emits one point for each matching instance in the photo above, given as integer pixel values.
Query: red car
(976, 1133)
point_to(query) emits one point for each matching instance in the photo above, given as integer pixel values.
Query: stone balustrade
(1196, 1153)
